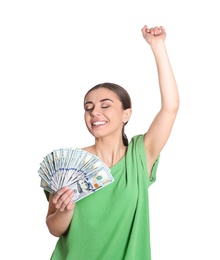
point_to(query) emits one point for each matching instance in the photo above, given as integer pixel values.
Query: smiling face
(104, 114)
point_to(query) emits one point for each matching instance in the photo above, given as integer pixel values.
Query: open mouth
(97, 123)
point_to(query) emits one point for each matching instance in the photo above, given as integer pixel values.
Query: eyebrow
(102, 100)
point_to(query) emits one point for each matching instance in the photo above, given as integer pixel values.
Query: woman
(113, 223)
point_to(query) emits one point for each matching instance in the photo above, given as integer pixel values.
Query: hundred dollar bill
(81, 189)
(99, 178)
(46, 187)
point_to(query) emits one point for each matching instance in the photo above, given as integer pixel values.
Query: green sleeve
(140, 149)
(47, 194)
(153, 174)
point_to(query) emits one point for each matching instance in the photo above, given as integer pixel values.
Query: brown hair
(123, 97)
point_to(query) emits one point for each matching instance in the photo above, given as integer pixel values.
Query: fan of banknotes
(81, 171)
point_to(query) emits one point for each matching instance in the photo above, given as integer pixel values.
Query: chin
(97, 135)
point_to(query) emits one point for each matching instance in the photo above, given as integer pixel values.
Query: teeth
(98, 123)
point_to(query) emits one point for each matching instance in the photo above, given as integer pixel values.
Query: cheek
(87, 123)
(118, 116)
(86, 119)
(113, 114)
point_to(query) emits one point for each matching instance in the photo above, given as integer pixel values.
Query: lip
(97, 123)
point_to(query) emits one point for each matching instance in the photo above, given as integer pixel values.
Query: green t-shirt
(113, 223)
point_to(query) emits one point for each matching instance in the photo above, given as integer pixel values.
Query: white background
(51, 53)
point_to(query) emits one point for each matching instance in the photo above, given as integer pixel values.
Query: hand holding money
(63, 199)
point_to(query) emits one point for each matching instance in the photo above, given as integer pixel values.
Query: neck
(109, 151)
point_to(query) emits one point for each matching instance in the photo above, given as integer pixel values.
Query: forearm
(167, 82)
(58, 222)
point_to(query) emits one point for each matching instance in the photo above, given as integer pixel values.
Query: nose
(95, 112)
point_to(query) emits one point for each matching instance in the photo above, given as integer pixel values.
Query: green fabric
(113, 223)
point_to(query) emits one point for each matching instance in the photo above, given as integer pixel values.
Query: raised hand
(154, 34)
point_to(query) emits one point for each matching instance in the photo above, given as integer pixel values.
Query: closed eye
(89, 108)
(105, 103)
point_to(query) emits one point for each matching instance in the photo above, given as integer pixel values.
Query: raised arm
(160, 129)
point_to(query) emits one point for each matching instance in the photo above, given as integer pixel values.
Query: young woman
(113, 223)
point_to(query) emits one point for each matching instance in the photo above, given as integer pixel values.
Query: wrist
(158, 47)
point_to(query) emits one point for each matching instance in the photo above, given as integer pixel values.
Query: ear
(127, 115)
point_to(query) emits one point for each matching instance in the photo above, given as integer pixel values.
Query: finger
(68, 203)
(64, 205)
(151, 31)
(162, 29)
(58, 194)
(68, 193)
(144, 30)
(70, 206)
(157, 30)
